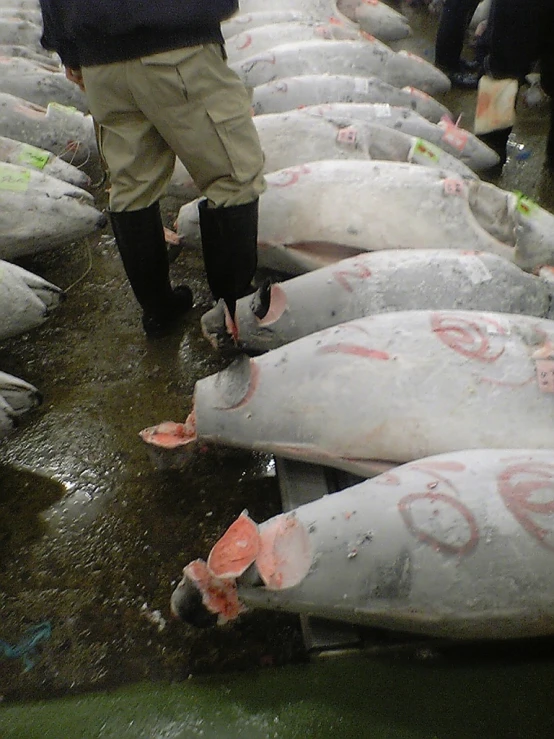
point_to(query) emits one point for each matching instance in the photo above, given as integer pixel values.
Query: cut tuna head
(203, 600)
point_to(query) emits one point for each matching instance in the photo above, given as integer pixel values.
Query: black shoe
(140, 238)
(230, 249)
(497, 140)
(464, 80)
(470, 66)
(549, 160)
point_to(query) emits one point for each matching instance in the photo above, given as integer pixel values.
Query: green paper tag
(31, 156)
(424, 151)
(15, 180)
(64, 108)
(525, 205)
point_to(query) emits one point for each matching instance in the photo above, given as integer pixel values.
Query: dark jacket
(521, 33)
(89, 32)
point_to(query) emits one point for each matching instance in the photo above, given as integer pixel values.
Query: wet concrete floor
(92, 537)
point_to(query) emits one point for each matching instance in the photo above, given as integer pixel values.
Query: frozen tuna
(26, 300)
(303, 90)
(450, 137)
(376, 18)
(25, 155)
(378, 282)
(16, 31)
(16, 398)
(389, 388)
(295, 138)
(259, 40)
(39, 212)
(63, 130)
(358, 58)
(38, 83)
(247, 21)
(307, 219)
(458, 545)
(23, 51)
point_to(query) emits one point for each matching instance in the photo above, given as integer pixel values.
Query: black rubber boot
(497, 140)
(549, 161)
(230, 248)
(139, 236)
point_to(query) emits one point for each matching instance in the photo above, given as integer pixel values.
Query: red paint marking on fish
(292, 175)
(518, 497)
(406, 510)
(355, 350)
(359, 272)
(468, 338)
(247, 42)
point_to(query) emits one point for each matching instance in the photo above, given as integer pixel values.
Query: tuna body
(17, 152)
(294, 138)
(303, 90)
(379, 282)
(39, 212)
(456, 141)
(26, 300)
(17, 397)
(307, 219)
(459, 545)
(392, 387)
(357, 58)
(65, 131)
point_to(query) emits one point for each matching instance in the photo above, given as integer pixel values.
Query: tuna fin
(261, 299)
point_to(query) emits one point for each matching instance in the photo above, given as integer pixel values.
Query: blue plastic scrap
(27, 647)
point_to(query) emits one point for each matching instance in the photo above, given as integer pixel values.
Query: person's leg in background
(453, 24)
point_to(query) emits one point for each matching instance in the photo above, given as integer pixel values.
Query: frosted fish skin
(21, 32)
(294, 138)
(17, 397)
(17, 152)
(392, 387)
(378, 19)
(307, 219)
(39, 212)
(66, 132)
(246, 21)
(358, 58)
(17, 50)
(21, 14)
(457, 545)
(259, 40)
(379, 282)
(304, 90)
(38, 83)
(26, 300)
(453, 139)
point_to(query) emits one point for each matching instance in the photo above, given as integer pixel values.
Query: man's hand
(75, 75)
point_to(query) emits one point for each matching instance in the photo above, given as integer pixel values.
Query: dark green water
(350, 698)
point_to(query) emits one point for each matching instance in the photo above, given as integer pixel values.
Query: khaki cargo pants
(185, 102)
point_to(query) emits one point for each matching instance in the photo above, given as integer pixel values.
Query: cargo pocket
(233, 125)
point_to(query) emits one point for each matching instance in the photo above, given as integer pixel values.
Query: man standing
(521, 35)
(158, 86)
